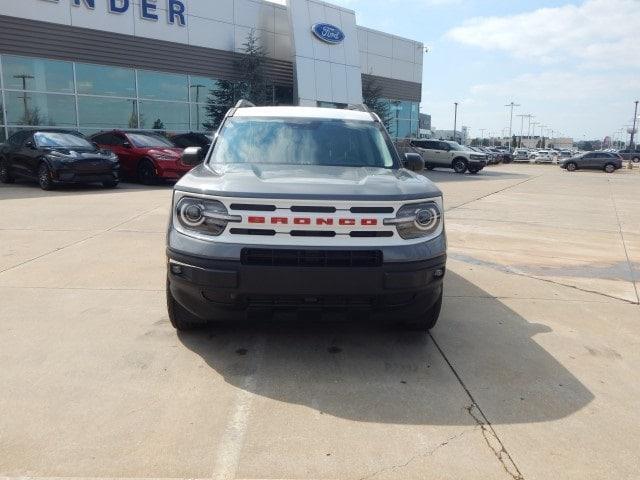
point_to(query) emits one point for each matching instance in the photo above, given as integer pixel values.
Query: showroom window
(90, 98)
(403, 118)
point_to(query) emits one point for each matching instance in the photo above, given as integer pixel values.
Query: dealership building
(93, 65)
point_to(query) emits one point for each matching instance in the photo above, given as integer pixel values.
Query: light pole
(482, 130)
(511, 105)
(455, 120)
(633, 130)
(542, 127)
(522, 117)
(197, 87)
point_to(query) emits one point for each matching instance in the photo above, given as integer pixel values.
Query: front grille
(311, 258)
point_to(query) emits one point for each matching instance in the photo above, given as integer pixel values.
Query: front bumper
(72, 177)
(225, 289)
(171, 170)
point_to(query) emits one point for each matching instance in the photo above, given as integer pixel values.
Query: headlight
(164, 158)
(417, 220)
(202, 216)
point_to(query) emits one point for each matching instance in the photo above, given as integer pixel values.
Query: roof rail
(361, 107)
(244, 104)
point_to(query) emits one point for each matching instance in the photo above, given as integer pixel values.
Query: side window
(430, 145)
(443, 146)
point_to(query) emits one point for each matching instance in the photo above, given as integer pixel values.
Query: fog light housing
(439, 273)
(176, 269)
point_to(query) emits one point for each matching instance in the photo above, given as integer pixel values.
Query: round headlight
(192, 214)
(426, 219)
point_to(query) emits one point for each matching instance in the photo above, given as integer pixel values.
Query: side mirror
(30, 145)
(192, 156)
(126, 144)
(413, 162)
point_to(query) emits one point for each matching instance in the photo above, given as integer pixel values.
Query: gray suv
(442, 154)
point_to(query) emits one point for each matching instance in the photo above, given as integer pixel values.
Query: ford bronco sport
(305, 210)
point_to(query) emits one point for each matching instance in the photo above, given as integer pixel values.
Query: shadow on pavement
(373, 373)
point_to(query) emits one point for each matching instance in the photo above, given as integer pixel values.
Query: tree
(514, 142)
(32, 117)
(372, 98)
(251, 65)
(158, 125)
(252, 85)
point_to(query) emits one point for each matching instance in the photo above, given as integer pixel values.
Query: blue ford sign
(328, 33)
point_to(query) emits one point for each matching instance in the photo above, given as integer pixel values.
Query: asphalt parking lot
(532, 371)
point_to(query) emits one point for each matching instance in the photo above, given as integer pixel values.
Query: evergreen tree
(372, 98)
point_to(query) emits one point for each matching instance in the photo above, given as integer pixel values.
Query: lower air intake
(311, 258)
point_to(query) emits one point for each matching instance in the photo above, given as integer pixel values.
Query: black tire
(5, 172)
(147, 172)
(572, 167)
(636, 159)
(459, 166)
(181, 319)
(44, 177)
(609, 168)
(426, 321)
(110, 184)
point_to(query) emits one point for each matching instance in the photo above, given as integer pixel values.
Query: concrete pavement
(531, 372)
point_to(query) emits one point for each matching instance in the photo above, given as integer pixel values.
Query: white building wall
(324, 72)
(219, 24)
(389, 56)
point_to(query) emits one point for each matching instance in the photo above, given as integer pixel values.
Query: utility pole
(197, 87)
(455, 120)
(542, 127)
(482, 130)
(511, 105)
(633, 129)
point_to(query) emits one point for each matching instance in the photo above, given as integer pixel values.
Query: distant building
(461, 136)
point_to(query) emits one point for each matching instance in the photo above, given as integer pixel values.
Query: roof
(304, 112)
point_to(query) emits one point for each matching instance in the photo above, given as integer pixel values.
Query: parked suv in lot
(609, 162)
(144, 156)
(305, 210)
(441, 154)
(633, 155)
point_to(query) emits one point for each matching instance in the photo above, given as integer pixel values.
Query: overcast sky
(573, 64)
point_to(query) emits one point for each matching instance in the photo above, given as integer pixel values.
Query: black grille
(311, 258)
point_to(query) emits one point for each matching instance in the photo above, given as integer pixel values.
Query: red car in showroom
(145, 156)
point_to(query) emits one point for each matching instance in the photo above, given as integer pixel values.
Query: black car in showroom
(55, 157)
(609, 162)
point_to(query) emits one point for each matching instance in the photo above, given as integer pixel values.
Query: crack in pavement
(513, 271)
(488, 432)
(428, 453)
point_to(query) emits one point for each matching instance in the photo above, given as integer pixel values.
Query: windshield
(289, 141)
(61, 140)
(142, 140)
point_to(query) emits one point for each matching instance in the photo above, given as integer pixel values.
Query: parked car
(609, 162)
(521, 155)
(543, 156)
(441, 154)
(144, 156)
(633, 155)
(565, 154)
(268, 229)
(193, 139)
(56, 157)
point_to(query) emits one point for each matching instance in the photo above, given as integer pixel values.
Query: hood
(309, 182)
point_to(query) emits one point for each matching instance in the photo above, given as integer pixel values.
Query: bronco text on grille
(308, 204)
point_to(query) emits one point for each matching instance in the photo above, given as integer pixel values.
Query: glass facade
(404, 118)
(52, 93)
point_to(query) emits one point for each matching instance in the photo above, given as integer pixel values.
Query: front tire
(147, 173)
(44, 177)
(572, 167)
(636, 160)
(181, 319)
(5, 172)
(459, 166)
(426, 321)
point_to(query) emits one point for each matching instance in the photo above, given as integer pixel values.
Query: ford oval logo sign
(328, 33)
